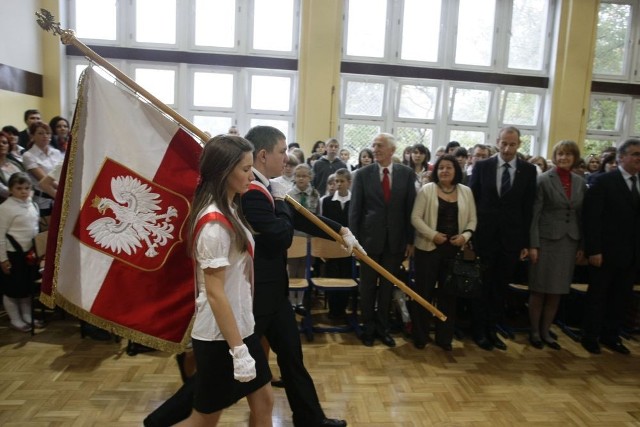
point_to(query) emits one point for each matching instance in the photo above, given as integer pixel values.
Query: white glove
(244, 367)
(279, 189)
(350, 242)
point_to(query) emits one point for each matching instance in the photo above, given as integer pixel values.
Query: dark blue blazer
(273, 225)
(503, 222)
(611, 222)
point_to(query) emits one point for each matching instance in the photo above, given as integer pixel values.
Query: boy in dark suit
(336, 207)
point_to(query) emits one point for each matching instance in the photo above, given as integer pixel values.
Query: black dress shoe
(484, 343)
(387, 340)
(419, 345)
(552, 344)
(590, 345)
(536, 342)
(497, 342)
(445, 346)
(331, 422)
(367, 341)
(616, 346)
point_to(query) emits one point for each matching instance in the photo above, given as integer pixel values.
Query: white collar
(263, 179)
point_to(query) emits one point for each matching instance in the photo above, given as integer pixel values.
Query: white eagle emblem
(135, 218)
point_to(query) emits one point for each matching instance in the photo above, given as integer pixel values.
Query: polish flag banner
(116, 253)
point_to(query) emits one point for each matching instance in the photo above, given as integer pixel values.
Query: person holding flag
(273, 223)
(231, 362)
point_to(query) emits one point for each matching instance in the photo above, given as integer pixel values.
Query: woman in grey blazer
(555, 240)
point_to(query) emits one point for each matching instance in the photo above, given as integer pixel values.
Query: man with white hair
(382, 197)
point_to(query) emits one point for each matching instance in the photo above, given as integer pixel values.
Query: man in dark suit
(382, 197)
(611, 215)
(273, 223)
(504, 198)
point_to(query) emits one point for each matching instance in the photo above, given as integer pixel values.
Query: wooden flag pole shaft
(68, 37)
(366, 259)
(135, 86)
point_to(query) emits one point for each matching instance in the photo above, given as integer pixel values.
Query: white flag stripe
(107, 133)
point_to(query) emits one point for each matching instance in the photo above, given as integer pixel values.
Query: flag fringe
(124, 332)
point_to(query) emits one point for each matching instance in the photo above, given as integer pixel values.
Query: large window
(502, 35)
(613, 41)
(434, 112)
(214, 97)
(468, 37)
(239, 26)
(614, 117)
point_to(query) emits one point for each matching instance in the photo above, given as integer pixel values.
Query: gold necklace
(447, 192)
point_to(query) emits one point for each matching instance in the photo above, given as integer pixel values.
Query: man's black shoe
(387, 340)
(367, 341)
(330, 422)
(590, 345)
(484, 343)
(497, 342)
(616, 346)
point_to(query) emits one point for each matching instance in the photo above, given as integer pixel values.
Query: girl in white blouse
(18, 222)
(229, 358)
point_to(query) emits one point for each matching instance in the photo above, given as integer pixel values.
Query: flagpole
(46, 21)
(366, 259)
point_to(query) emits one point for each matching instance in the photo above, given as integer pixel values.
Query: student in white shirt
(231, 363)
(18, 222)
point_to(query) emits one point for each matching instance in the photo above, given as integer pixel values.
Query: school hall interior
(427, 71)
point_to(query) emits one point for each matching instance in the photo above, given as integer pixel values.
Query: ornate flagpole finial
(47, 22)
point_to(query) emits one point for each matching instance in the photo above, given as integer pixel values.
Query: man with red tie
(382, 198)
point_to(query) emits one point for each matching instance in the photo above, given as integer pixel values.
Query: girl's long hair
(219, 158)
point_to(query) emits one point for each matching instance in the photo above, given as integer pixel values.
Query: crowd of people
(508, 208)
(28, 181)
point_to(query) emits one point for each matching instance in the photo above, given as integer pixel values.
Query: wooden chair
(327, 250)
(300, 249)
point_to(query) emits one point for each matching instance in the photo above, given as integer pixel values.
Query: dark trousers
(376, 289)
(431, 267)
(499, 266)
(281, 330)
(609, 290)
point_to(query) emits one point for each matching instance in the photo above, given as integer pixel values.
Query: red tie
(386, 188)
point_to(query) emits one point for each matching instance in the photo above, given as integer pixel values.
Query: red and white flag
(118, 233)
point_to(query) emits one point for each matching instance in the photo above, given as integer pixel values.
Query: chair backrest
(324, 248)
(298, 248)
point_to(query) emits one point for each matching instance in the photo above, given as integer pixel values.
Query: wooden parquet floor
(58, 379)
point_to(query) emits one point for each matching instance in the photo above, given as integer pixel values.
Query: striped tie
(506, 180)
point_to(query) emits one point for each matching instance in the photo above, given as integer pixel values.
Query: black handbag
(464, 276)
